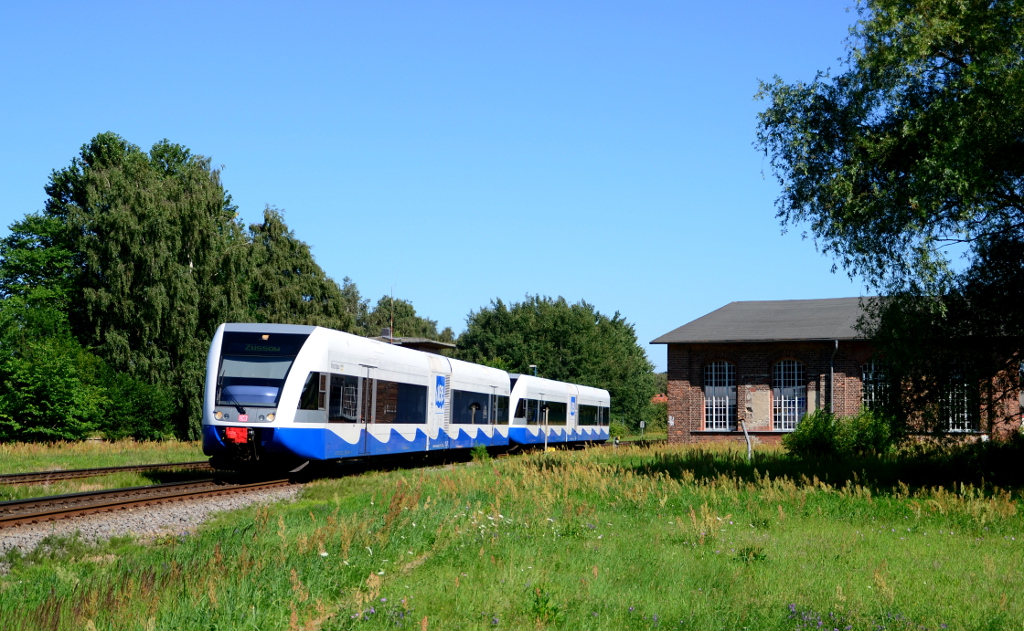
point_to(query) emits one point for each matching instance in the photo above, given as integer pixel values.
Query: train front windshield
(253, 366)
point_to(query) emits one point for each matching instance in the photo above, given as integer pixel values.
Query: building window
(874, 386)
(719, 396)
(959, 405)
(789, 394)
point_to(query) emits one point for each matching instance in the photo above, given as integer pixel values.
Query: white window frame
(959, 408)
(874, 386)
(719, 396)
(789, 395)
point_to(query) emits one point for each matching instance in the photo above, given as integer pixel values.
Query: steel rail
(42, 509)
(71, 474)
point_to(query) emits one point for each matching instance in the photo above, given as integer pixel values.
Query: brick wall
(753, 364)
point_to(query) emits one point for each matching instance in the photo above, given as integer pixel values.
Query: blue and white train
(294, 394)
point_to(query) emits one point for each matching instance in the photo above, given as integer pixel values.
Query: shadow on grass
(183, 475)
(986, 466)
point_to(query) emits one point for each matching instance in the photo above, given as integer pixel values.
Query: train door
(367, 407)
(443, 410)
(492, 411)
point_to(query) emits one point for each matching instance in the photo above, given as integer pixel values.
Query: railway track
(43, 509)
(71, 474)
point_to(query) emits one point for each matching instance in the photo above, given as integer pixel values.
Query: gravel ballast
(143, 523)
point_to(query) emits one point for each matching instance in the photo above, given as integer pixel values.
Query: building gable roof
(772, 321)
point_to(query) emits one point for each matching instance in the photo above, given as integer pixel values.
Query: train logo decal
(439, 393)
(572, 406)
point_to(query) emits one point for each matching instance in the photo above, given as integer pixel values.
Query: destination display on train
(287, 344)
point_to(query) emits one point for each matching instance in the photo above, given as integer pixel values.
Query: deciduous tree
(573, 343)
(401, 317)
(287, 285)
(912, 155)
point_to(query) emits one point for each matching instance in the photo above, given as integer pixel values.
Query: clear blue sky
(454, 151)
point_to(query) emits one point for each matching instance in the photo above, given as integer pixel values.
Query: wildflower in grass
(494, 621)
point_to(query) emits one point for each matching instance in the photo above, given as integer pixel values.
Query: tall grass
(602, 539)
(26, 457)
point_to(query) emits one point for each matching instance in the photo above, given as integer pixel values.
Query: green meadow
(28, 457)
(664, 537)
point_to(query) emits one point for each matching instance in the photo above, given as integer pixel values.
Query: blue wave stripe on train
(318, 443)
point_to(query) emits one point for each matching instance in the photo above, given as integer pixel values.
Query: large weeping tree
(908, 167)
(288, 286)
(159, 260)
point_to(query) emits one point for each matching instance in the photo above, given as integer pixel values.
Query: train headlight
(262, 417)
(270, 417)
(218, 415)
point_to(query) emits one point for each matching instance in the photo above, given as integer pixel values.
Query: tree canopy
(287, 285)
(573, 343)
(133, 262)
(909, 158)
(401, 317)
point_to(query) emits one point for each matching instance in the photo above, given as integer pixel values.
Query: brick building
(766, 364)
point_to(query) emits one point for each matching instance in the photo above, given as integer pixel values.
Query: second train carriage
(556, 411)
(302, 393)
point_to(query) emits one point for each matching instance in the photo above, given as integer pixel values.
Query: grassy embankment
(603, 539)
(27, 457)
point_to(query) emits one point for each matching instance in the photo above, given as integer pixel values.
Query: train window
(606, 416)
(532, 411)
(500, 410)
(412, 403)
(254, 366)
(555, 412)
(470, 408)
(401, 402)
(343, 399)
(587, 415)
(314, 393)
(387, 401)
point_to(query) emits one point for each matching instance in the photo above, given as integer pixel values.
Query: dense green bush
(656, 417)
(136, 409)
(44, 396)
(815, 436)
(865, 433)
(822, 434)
(54, 389)
(617, 429)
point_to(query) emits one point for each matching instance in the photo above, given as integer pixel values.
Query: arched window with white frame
(789, 394)
(719, 396)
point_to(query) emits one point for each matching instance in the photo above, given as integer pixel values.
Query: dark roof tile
(772, 321)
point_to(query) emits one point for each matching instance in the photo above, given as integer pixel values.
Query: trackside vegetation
(28, 457)
(613, 539)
